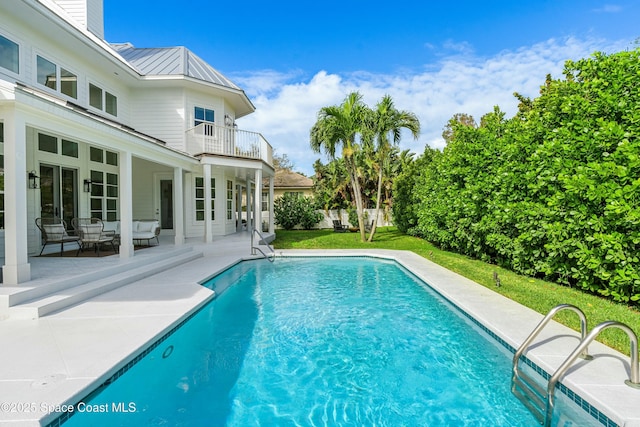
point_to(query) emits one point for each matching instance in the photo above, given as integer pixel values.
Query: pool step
(531, 394)
(31, 305)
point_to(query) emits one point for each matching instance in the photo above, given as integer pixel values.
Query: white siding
(76, 9)
(87, 13)
(95, 19)
(160, 113)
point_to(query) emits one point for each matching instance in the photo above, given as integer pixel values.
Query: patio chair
(54, 230)
(338, 227)
(91, 233)
(369, 226)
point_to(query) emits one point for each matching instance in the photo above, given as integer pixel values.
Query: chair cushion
(146, 226)
(111, 226)
(91, 232)
(54, 231)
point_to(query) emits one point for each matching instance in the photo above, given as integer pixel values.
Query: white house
(93, 129)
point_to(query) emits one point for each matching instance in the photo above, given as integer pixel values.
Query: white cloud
(287, 105)
(609, 8)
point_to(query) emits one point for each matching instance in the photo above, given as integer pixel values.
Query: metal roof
(165, 61)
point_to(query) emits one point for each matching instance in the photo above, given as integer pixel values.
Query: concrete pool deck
(58, 359)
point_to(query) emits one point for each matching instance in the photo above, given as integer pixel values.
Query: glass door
(58, 193)
(166, 204)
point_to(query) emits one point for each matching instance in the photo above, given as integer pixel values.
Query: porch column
(249, 207)
(208, 221)
(272, 217)
(126, 205)
(257, 201)
(178, 206)
(16, 268)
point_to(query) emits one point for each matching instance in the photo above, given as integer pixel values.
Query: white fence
(328, 217)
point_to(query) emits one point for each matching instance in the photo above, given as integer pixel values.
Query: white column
(126, 205)
(208, 221)
(272, 217)
(16, 268)
(178, 206)
(249, 207)
(257, 205)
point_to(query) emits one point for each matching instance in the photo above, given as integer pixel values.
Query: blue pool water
(308, 342)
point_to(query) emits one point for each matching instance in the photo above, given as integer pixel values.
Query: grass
(536, 294)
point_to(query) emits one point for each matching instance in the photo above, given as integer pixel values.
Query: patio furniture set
(93, 232)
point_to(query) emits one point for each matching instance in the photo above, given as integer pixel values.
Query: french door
(163, 200)
(58, 192)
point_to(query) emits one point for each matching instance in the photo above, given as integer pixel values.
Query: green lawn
(536, 294)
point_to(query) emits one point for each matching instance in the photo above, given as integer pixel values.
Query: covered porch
(69, 163)
(61, 282)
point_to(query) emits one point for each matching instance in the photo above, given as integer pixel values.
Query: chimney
(87, 13)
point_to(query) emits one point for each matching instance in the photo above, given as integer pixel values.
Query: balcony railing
(207, 138)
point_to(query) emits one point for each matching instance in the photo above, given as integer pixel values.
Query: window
(206, 117)
(69, 148)
(68, 83)
(200, 200)
(111, 158)
(104, 195)
(9, 55)
(265, 201)
(108, 102)
(294, 194)
(229, 200)
(203, 115)
(47, 71)
(48, 76)
(95, 154)
(47, 143)
(95, 96)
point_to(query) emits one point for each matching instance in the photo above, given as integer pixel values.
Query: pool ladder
(271, 255)
(533, 395)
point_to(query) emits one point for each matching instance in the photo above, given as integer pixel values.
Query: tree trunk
(379, 196)
(359, 206)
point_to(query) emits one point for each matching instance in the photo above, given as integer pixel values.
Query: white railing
(207, 138)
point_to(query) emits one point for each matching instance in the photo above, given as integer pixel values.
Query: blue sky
(435, 58)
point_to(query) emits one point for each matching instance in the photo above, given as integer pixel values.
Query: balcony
(207, 138)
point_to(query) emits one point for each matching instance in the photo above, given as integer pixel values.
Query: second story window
(9, 55)
(206, 116)
(47, 71)
(49, 74)
(103, 100)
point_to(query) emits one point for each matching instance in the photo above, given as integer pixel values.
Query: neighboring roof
(289, 179)
(171, 61)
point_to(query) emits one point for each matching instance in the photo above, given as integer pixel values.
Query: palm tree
(339, 126)
(387, 124)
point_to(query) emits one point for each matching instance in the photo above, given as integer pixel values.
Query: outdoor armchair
(338, 227)
(91, 233)
(54, 230)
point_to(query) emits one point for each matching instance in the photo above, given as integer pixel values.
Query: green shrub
(553, 192)
(291, 210)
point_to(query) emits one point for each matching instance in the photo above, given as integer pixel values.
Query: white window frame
(13, 40)
(58, 79)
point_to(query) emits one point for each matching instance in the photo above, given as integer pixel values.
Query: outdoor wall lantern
(87, 185)
(33, 179)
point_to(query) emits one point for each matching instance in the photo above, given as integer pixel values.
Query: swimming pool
(353, 341)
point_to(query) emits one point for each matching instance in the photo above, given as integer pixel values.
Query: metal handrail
(527, 342)
(634, 377)
(271, 255)
(526, 384)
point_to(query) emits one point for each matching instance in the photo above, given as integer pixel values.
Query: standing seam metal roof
(171, 61)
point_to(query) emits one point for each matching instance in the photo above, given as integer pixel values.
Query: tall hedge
(554, 191)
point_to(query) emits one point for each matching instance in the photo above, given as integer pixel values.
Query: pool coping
(599, 381)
